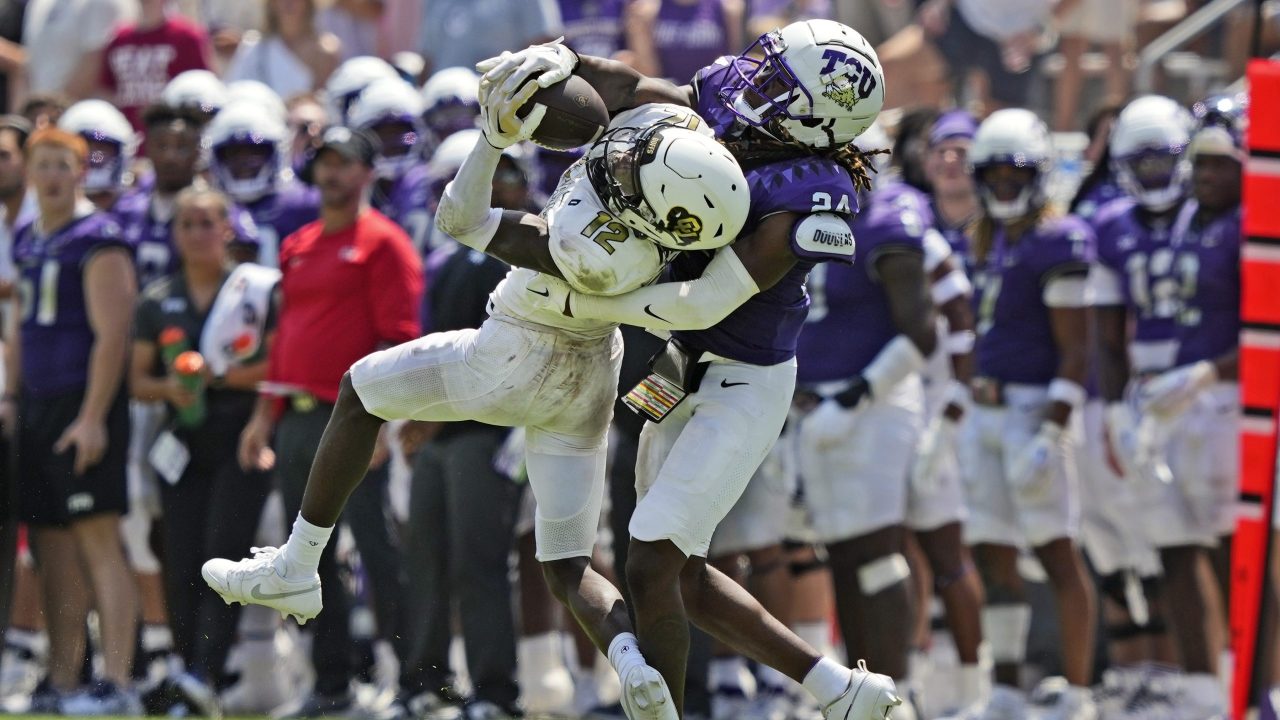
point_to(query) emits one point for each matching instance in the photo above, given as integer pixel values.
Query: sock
(775, 681)
(33, 641)
(726, 672)
(969, 688)
(827, 680)
(303, 548)
(156, 638)
(624, 653)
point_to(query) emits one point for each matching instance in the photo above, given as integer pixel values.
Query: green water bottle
(189, 369)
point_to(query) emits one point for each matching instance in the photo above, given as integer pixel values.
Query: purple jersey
(152, 238)
(405, 200)
(688, 37)
(279, 214)
(56, 336)
(592, 27)
(1096, 197)
(849, 319)
(1208, 261)
(1136, 250)
(1015, 338)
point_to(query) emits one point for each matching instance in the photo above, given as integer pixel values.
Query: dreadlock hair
(754, 149)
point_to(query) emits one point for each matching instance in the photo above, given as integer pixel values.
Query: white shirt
(268, 60)
(57, 33)
(999, 19)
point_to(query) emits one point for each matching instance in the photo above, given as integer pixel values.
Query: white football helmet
(678, 187)
(200, 89)
(259, 93)
(352, 77)
(819, 80)
(246, 176)
(99, 121)
(393, 110)
(1149, 151)
(1017, 138)
(450, 100)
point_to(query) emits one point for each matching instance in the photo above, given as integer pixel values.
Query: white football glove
(502, 128)
(937, 438)
(1150, 440)
(1172, 392)
(1120, 428)
(501, 76)
(1031, 470)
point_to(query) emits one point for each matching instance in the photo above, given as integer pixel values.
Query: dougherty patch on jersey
(823, 236)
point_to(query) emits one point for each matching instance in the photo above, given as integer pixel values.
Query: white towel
(237, 321)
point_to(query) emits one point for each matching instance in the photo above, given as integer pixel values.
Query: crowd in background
(172, 389)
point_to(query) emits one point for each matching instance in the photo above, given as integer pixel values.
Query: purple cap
(954, 124)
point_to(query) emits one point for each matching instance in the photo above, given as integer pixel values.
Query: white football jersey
(596, 253)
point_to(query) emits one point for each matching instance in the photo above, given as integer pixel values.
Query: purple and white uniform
(280, 214)
(1208, 256)
(56, 336)
(1015, 286)
(1136, 268)
(405, 200)
(150, 230)
(688, 37)
(592, 27)
(1098, 197)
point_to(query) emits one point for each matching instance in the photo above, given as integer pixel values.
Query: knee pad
(568, 503)
(1006, 628)
(135, 530)
(883, 573)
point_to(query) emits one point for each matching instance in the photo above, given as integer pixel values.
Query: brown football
(576, 114)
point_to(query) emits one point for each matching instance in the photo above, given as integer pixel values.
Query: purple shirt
(592, 27)
(1015, 338)
(152, 239)
(1097, 196)
(56, 336)
(406, 201)
(1137, 250)
(279, 214)
(687, 38)
(1208, 261)
(849, 319)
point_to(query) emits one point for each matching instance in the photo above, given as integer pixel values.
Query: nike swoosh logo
(544, 293)
(726, 383)
(257, 594)
(653, 314)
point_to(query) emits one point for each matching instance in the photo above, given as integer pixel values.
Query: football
(576, 114)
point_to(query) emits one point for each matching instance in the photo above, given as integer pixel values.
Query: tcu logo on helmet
(841, 88)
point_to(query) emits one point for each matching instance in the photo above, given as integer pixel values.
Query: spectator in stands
(142, 58)
(64, 392)
(877, 20)
(676, 38)
(17, 206)
(226, 22)
(13, 56)
(355, 24)
(593, 28)
(464, 32)
(292, 55)
(352, 283)
(64, 41)
(1108, 24)
(43, 110)
(307, 119)
(211, 505)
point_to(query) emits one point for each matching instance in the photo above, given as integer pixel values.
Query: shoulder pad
(823, 236)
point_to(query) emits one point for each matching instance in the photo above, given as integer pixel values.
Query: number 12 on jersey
(605, 230)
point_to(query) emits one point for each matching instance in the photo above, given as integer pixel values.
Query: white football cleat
(645, 695)
(258, 581)
(870, 696)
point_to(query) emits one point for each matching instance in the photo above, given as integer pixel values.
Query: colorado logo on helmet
(853, 83)
(686, 226)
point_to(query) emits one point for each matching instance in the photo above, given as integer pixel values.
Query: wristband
(1067, 391)
(960, 342)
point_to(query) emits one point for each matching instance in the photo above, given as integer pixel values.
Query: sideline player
(609, 228)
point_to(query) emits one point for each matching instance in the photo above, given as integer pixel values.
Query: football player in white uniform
(529, 365)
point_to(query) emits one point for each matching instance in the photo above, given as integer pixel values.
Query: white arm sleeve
(1071, 291)
(465, 205)
(1104, 283)
(689, 305)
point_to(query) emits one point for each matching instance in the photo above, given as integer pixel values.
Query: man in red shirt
(352, 284)
(142, 58)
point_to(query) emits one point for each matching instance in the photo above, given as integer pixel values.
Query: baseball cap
(952, 125)
(359, 145)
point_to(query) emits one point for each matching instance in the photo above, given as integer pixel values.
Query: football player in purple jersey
(112, 143)
(1029, 273)
(64, 397)
(1135, 294)
(1196, 403)
(790, 108)
(249, 163)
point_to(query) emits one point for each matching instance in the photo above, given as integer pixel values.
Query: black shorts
(965, 48)
(49, 491)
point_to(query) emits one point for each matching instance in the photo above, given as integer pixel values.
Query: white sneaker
(545, 691)
(1005, 704)
(1073, 703)
(20, 669)
(870, 696)
(258, 581)
(645, 695)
